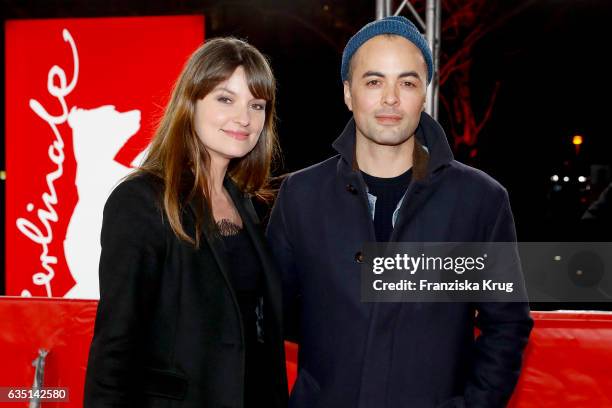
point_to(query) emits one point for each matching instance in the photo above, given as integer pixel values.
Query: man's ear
(347, 95)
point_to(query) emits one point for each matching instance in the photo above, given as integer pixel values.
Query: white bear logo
(97, 135)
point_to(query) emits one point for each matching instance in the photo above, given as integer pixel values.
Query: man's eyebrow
(402, 75)
(373, 73)
(410, 74)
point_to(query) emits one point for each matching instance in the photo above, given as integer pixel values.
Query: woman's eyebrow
(222, 88)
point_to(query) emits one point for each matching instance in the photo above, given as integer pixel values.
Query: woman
(189, 312)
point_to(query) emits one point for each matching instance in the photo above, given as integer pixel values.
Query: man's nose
(390, 95)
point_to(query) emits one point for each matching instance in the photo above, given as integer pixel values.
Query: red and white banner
(82, 100)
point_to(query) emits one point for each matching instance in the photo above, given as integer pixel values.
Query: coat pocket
(164, 383)
(305, 392)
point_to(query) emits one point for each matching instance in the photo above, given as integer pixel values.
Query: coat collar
(429, 133)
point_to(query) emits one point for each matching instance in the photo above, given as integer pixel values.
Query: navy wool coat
(375, 355)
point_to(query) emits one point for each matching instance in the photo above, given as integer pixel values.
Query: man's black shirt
(388, 192)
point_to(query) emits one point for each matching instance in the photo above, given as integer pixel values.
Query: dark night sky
(549, 59)
(555, 83)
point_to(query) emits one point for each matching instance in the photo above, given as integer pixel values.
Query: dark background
(544, 60)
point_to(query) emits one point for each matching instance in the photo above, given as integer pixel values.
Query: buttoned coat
(376, 355)
(168, 330)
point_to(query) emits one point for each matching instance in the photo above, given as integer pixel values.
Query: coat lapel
(219, 257)
(248, 215)
(251, 224)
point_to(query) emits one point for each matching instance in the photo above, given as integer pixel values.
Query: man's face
(387, 89)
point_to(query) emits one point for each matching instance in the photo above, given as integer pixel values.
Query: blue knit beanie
(397, 25)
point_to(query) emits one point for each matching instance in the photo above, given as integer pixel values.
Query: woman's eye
(224, 99)
(259, 106)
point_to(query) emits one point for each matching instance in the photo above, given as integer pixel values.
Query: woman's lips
(238, 135)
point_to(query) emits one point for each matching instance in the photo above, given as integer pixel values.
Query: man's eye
(373, 82)
(409, 84)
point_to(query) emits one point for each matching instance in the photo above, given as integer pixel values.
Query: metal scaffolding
(432, 32)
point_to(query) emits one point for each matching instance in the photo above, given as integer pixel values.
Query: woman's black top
(246, 276)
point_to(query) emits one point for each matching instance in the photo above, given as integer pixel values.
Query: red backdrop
(126, 68)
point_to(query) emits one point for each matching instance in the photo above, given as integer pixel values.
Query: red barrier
(567, 362)
(64, 327)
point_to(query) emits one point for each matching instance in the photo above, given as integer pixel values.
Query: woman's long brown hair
(178, 157)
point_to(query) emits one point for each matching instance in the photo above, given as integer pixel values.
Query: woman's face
(229, 120)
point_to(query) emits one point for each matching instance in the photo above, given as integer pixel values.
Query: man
(394, 179)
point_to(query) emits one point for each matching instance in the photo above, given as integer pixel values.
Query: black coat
(168, 331)
(377, 355)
